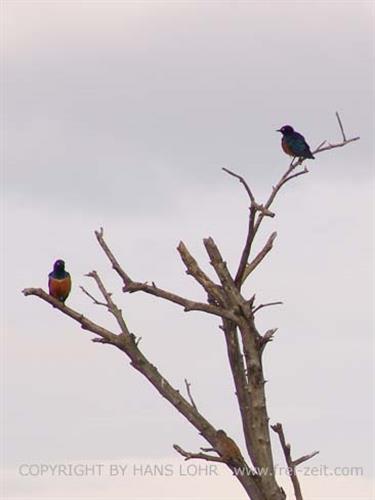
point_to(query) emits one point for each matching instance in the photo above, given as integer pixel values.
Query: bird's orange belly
(286, 148)
(59, 288)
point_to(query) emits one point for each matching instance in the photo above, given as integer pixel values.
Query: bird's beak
(278, 130)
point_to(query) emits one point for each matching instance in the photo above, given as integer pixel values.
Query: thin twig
(189, 455)
(188, 385)
(278, 428)
(273, 194)
(267, 304)
(112, 307)
(338, 145)
(290, 177)
(115, 264)
(341, 127)
(258, 259)
(243, 182)
(305, 458)
(318, 147)
(96, 301)
(257, 206)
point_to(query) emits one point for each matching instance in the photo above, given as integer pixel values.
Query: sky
(121, 115)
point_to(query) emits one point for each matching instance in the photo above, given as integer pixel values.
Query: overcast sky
(121, 114)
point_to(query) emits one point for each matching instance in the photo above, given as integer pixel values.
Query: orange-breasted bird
(294, 144)
(228, 449)
(59, 281)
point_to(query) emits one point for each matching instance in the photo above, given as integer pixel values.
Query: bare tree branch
(95, 301)
(337, 145)
(85, 323)
(128, 345)
(193, 269)
(258, 259)
(255, 421)
(267, 337)
(274, 192)
(237, 365)
(98, 340)
(188, 305)
(254, 208)
(189, 455)
(257, 206)
(247, 248)
(188, 385)
(221, 269)
(268, 304)
(243, 182)
(341, 127)
(115, 264)
(320, 146)
(254, 222)
(290, 177)
(112, 307)
(278, 428)
(300, 460)
(257, 416)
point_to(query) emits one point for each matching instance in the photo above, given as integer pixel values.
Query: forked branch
(131, 286)
(292, 464)
(213, 291)
(259, 211)
(258, 258)
(85, 323)
(112, 307)
(128, 345)
(188, 455)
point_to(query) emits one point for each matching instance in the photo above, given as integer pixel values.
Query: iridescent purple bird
(294, 144)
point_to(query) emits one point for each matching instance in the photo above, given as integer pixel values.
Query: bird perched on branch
(294, 144)
(59, 281)
(228, 449)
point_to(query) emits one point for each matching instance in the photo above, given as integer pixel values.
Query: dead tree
(245, 345)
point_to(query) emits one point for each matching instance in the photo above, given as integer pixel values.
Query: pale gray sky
(121, 114)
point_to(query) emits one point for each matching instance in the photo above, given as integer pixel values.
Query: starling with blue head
(59, 281)
(294, 144)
